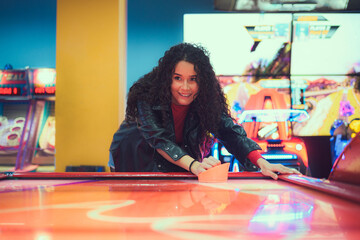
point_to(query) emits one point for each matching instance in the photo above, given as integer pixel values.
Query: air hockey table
(165, 206)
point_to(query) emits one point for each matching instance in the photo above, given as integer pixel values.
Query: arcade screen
(325, 70)
(311, 61)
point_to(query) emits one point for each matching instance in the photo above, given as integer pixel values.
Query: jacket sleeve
(234, 138)
(150, 127)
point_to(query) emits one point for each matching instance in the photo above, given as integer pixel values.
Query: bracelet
(191, 165)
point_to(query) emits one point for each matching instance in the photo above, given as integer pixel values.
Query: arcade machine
(341, 135)
(41, 146)
(347, 125)
(267, 120)
(15, 114)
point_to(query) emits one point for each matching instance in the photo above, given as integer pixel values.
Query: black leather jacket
(134, 144)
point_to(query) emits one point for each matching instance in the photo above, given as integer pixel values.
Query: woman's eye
(193, 79)
(177, 78)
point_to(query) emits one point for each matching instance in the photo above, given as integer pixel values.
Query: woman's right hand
(207, 163)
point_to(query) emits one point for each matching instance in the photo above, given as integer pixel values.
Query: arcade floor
(51, 206)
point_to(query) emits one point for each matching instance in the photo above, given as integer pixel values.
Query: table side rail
(336, 188)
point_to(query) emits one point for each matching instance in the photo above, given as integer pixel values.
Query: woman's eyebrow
(181, 75)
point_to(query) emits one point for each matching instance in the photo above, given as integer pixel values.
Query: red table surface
(72, 206)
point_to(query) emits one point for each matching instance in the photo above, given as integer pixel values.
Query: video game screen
(308, 63)
(243, 44)
(325, 70)
(250, 54)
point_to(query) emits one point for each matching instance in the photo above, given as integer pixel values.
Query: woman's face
(184, 87)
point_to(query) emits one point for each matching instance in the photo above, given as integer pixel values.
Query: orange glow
(268, 104)
(290, 146)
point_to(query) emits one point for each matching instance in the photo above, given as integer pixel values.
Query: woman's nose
(185, 85)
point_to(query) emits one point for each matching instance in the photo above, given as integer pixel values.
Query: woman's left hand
(269, 169)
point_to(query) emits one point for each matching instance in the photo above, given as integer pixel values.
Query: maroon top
(179, 115)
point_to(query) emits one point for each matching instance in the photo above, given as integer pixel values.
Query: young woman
(173, 115)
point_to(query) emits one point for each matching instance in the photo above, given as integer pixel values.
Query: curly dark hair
(155, 88)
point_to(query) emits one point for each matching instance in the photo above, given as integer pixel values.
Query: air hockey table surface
(49, 206)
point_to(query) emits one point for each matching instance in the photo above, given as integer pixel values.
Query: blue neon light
(216, 151)
(279, 156)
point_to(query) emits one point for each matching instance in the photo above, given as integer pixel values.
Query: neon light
(39, 90)
(45, 76)
(279, 156)
(50, 90)
(44, 90)
(298, 147)
(225, 152)
(236, 167)
(5, 91)
(216, 151)
(9, 91)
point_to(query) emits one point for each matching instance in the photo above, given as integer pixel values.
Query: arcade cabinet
(267, 120)
(15, 115)
(41, 146)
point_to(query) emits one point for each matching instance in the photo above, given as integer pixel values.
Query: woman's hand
(269, 169)
(199, 167)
